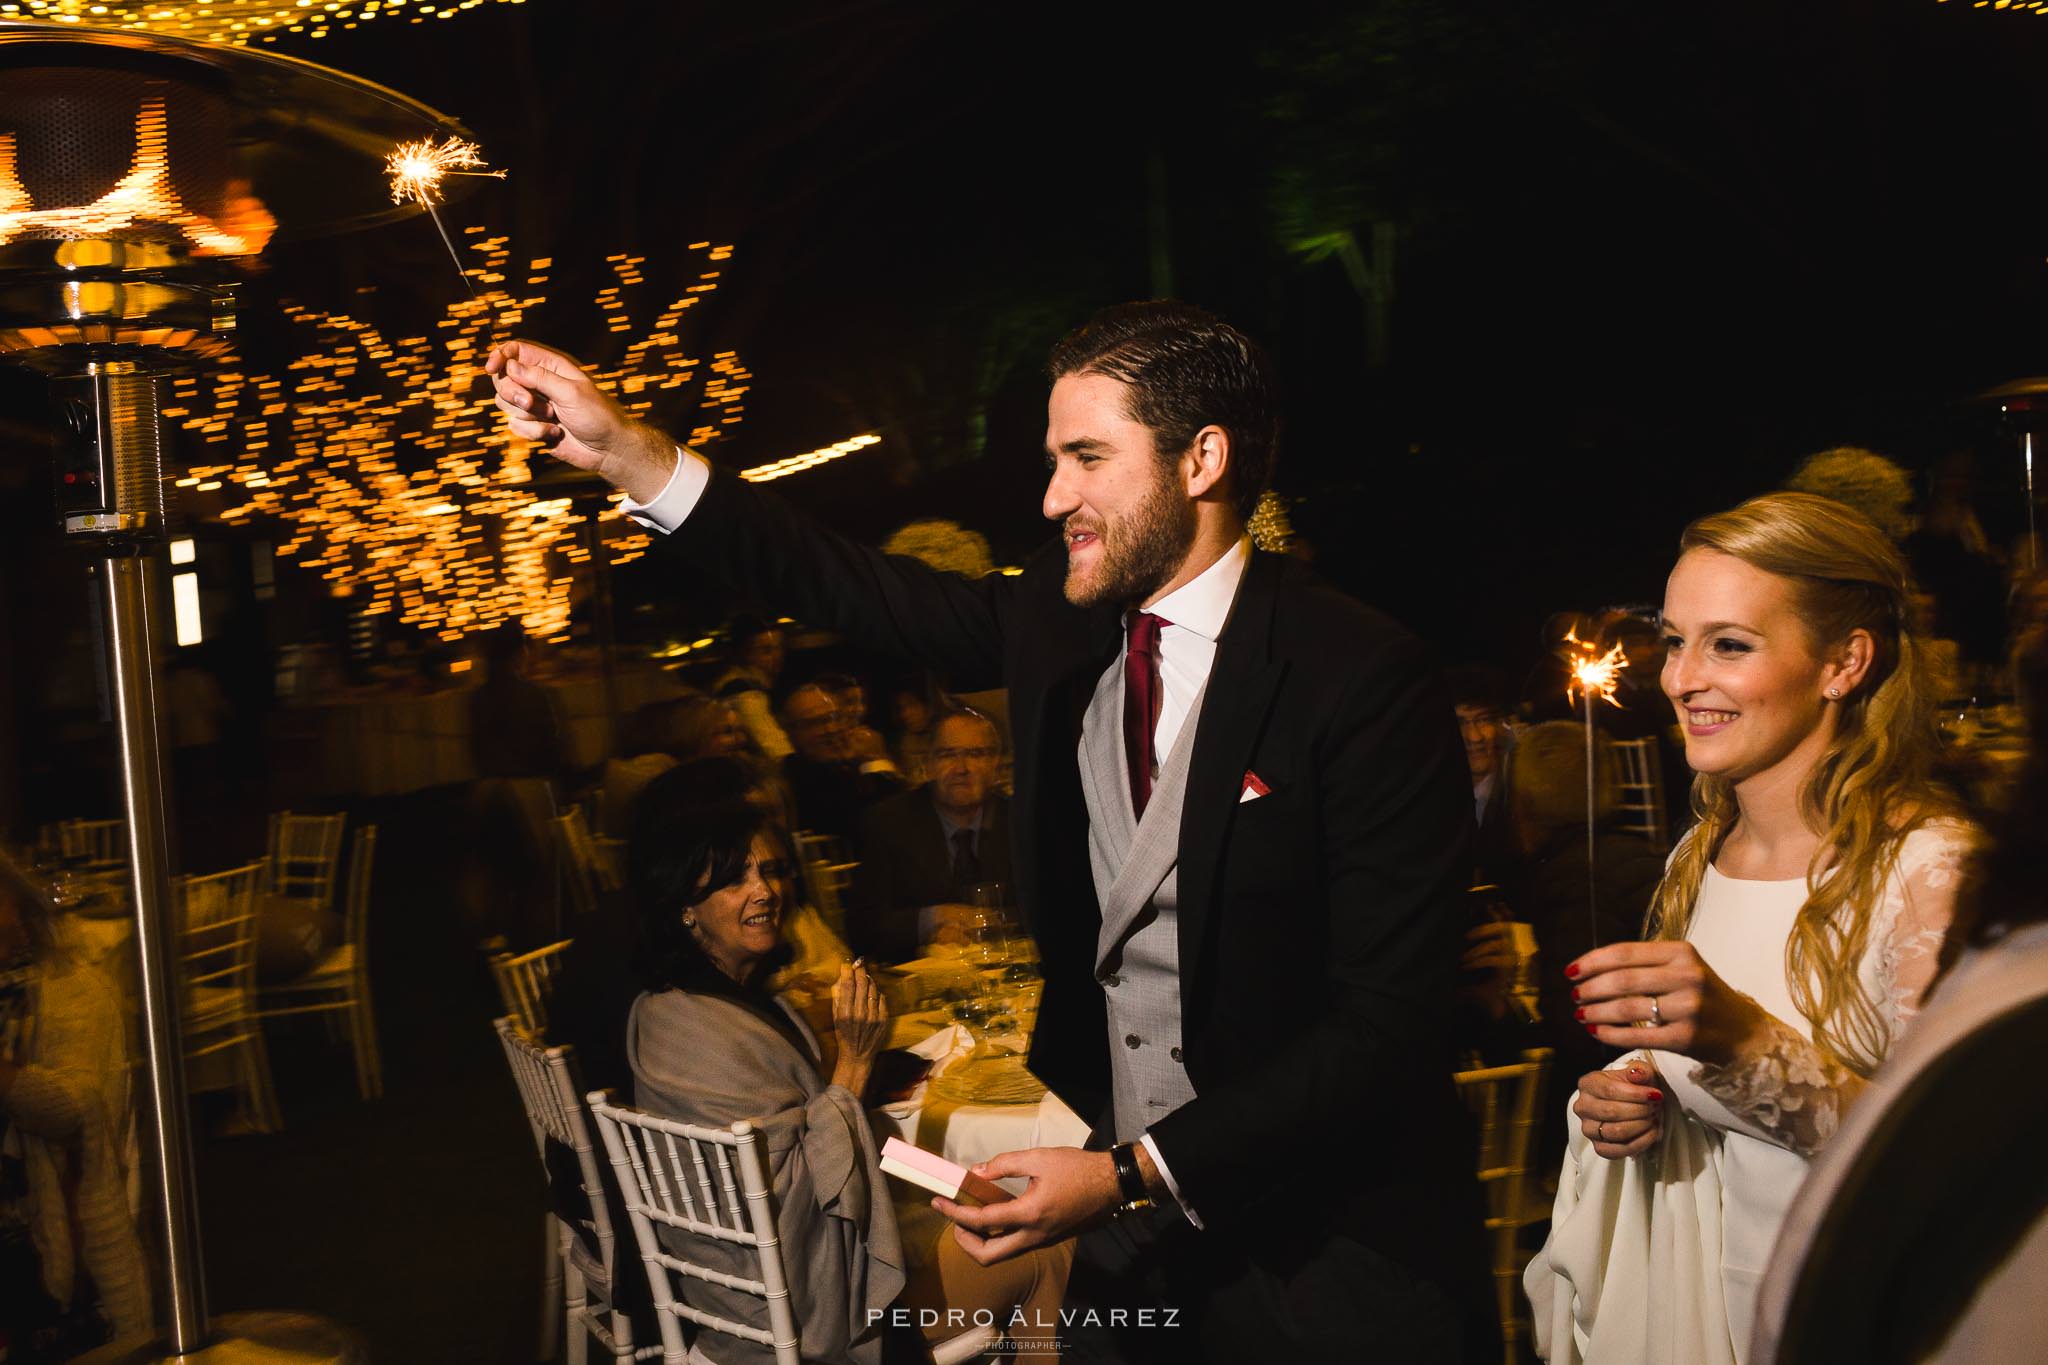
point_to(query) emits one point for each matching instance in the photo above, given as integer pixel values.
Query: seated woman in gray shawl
(709, 1045)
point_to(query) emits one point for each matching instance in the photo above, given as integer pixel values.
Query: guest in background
(1922, 1232)
(926, 850)
(1790, 941)
(200, 719)
(913, 748)
(661, 735)
(515, 724)
(863, 741)
(832, 787)
(64, 1097)
(711, 897)
(1958, 566)
(1480, 696)
(518, 744)
(597, 980)
(753, 662)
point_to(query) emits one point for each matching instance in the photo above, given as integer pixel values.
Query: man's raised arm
(747, 539)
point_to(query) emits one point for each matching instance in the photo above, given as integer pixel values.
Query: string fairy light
(810, 459)
(236, 23)
(403, 490)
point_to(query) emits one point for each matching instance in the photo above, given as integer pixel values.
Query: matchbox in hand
(939, 1175)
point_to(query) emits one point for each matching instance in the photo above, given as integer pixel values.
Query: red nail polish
(1578, 1014)
(1572, 970)
(1656, 1097)
(1575, 992)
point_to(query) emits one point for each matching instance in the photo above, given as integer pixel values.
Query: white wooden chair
(339, 983)
(1506, 1100)
(828, 872)
(526, 982)
(547, 1081)
(217, 960)
(1640, 806)
(305, 856)
(583, 870)
(95, 843)
(712, 1185)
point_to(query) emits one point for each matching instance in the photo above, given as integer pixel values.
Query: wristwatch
(1130, 1178)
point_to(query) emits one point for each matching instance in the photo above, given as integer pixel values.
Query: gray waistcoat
(1137, 954)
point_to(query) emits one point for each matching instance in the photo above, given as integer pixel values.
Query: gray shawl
(712, 1061)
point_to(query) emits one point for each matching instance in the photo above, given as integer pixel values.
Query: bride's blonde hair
(1871, 786)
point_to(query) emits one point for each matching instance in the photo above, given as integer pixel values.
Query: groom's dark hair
(1186, 369)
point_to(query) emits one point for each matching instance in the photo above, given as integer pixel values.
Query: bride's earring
(1834, 694)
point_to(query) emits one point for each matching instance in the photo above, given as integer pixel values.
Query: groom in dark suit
(1241, 828)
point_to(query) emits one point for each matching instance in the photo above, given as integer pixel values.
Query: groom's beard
(1141, 550)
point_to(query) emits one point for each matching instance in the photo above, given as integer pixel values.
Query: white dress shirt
(1196, 611)
(1187, 647)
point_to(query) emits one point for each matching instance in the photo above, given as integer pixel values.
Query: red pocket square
(1253, 787)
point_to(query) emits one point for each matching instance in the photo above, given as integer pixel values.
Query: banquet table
(966, 1133)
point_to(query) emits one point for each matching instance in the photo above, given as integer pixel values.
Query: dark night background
(1643, 259)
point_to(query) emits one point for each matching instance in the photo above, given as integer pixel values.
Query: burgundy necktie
(1141, 703)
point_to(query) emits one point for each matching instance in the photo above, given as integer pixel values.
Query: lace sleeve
(1922, 901)
(1793, 1092)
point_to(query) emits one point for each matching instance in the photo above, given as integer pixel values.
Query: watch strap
(1130, 1177)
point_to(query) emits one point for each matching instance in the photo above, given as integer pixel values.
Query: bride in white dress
(1794, 932)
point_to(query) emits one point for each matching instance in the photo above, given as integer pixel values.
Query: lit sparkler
(417, 169)
(1593, 674)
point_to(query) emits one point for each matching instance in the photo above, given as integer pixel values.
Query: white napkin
(944, 1048)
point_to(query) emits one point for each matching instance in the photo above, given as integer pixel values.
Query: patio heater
(135, 169)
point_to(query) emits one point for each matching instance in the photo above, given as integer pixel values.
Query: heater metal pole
(128, 585)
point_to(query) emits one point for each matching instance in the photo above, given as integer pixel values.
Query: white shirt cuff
(1166, 1174)
(672, 506)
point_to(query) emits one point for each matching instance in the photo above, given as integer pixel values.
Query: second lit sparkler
(1593, 674)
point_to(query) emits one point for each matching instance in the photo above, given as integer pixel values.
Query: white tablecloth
(965, 1134)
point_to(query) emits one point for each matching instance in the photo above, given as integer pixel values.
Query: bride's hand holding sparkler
(548, 398)
(1663, 995)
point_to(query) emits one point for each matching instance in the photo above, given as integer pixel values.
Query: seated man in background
(1480, 696)
(832, 787)
(925, 851)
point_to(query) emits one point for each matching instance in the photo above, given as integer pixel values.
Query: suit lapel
(1105, 772)
(1242, 683)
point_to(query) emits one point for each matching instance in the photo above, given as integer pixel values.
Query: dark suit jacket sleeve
(1395, 806)
(751, 540)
